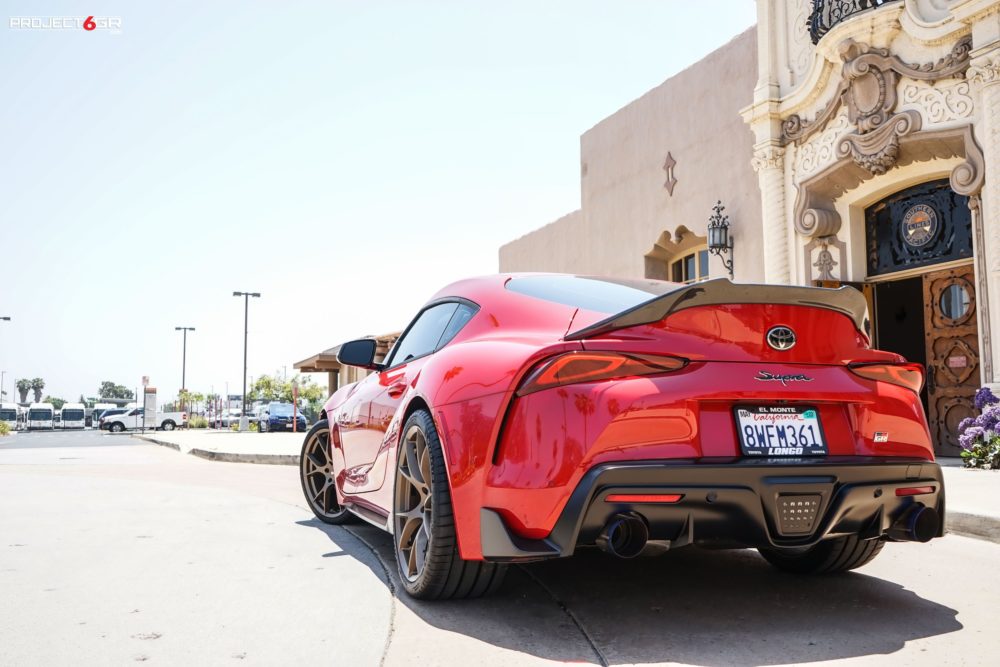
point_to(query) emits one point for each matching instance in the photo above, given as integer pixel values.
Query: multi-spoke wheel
(413, 505)
(427, 557)
(317, 476)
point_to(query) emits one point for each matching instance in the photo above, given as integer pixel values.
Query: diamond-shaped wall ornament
(668, 167)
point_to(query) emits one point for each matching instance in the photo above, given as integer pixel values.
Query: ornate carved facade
(879, 98)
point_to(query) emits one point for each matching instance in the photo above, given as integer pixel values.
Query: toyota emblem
(781, 338)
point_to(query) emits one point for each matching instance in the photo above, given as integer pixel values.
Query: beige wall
(625, 207)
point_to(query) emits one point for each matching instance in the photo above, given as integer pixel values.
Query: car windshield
(281, 409)
(8, 415)
(39, 414)
(75, 415)
(601, 295)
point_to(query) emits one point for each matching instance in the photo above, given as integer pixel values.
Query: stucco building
(852, 142)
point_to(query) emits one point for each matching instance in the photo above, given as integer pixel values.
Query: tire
(169, 425)
(427, 558)
(117, 427)
(316, 475)
(829, 556)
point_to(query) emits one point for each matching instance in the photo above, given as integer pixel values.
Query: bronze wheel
(316, 473)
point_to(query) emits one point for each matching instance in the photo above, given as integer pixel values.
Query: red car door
(366, 450)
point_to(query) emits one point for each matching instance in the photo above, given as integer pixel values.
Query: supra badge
(781, 338)
(766, 376)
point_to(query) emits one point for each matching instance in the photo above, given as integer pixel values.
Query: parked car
(277, 416)
(521, 417)
(230, 417)
(131, 420)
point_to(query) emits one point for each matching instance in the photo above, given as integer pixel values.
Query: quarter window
(461, 317)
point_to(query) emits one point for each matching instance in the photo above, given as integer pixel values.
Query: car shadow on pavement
(692, 606)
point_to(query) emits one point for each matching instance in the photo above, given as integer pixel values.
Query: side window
(423, 335)
(461, 317)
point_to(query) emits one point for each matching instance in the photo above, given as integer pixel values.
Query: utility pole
(244, 422)
(4, 318)
(184, 357)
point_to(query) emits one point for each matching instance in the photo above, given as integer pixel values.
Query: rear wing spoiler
(844, 300)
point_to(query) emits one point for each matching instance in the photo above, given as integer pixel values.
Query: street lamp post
(4, 318)
(244, 422)
(184, 356)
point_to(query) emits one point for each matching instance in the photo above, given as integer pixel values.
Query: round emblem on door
(920, 224)
(781, 338)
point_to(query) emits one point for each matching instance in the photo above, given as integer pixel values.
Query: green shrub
(4, 428)
(197, 421)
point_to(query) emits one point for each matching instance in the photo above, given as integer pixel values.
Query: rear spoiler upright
(844, 300)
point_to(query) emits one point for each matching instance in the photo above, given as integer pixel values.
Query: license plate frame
(802, 435)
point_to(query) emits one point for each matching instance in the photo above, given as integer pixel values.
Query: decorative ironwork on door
(920, 226)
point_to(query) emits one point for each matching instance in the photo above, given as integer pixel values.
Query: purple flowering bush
(980, 436)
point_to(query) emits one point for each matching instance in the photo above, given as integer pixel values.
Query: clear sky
(344, 158)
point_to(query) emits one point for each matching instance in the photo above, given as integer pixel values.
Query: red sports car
(520, 417)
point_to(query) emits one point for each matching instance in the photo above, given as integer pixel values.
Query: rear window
(601, 295)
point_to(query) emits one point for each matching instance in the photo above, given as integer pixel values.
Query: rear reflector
(576, 367)
(644, 498)
(910, 376)
(915, 490)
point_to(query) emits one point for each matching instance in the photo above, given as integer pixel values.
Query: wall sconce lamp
(719, 241)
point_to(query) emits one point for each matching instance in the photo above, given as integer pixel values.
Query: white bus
(40, 415)
(8, 415)
(74, 415)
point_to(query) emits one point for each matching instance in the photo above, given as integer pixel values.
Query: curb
(973, 525)
(171, 445)
(228, 457)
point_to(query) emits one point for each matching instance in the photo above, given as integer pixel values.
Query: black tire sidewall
(344, 516)
(442, 517)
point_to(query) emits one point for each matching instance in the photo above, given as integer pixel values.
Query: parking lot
(128, 551)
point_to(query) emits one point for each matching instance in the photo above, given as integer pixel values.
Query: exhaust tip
(625, 535)
(924, 524)
(919, 524)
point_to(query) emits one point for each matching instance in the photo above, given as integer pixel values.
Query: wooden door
(952, 339)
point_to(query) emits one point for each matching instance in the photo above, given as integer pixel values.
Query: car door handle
(396, 389)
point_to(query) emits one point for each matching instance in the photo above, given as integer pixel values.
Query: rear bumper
(731, 503)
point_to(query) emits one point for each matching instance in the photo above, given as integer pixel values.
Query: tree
(37, 384)
(111, 390)
(57, 403)
(23, 387)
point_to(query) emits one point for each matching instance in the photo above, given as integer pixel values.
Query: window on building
(691, 268)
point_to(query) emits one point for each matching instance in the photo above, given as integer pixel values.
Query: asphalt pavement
(115, 551)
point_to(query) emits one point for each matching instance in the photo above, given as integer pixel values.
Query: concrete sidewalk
(973, 507)
(231, 446)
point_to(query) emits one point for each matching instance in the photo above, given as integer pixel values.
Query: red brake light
(576, 367)
(910, 376)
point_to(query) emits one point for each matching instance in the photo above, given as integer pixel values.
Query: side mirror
(360, 353)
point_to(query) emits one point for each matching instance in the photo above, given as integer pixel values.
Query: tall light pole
(246, 331)
(184, 356)
(4, 318)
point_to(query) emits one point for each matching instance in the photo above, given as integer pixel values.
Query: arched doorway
(919, 255)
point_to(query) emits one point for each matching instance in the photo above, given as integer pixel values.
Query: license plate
(780, 430)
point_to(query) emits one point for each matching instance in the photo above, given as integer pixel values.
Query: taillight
(910, 376)
(576, 367)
